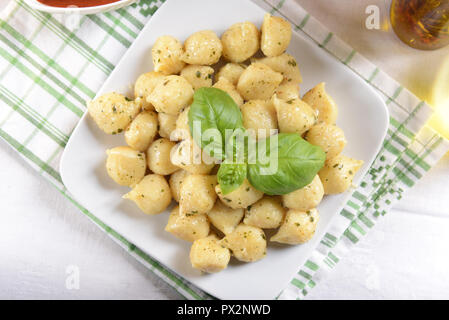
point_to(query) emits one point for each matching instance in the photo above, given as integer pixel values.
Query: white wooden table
(405, 256)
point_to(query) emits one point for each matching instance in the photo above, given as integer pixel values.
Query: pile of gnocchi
(252, 67)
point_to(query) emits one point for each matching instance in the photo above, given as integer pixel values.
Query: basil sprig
(284, 163)
(294, 165)
(211, 113)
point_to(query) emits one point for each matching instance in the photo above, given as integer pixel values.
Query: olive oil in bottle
(421, 24)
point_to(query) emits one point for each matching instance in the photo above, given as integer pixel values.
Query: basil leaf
(211, 113)
(231, 176)
(284, 163)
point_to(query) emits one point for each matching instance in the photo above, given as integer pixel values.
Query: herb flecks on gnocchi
(247, 243)
(298, 227)
(188, 227)
(240, 42)
(112, 112)
(255, 94)
(152, 194)
(276, 35)
(208, 255)
(125, 165)
(202, 47)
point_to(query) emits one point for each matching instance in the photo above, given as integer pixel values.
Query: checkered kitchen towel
(47, 72)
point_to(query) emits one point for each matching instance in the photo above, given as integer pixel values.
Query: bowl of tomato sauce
(78, 6)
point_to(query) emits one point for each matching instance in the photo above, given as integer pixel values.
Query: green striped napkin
(48, 71)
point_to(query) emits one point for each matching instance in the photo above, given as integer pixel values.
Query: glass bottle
(421, 24)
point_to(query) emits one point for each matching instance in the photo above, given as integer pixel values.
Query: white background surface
(404, 256)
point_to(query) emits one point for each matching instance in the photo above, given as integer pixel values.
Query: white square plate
(362, 115)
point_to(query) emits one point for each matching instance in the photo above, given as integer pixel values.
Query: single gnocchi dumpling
(242, 197)
(247, 243)
(152, 194)
(225, 85)
(203, 48)
(171, 95)
(329, 137)
(197, 194)
(319, 100)
(167, 124)
(112, 112)
(338, 173)
(258, 81)
(175, 181)
(182, 131)
(298, 227)
(144, 85)
(208, 255)
(142, 130)
(306, 198)
(188, 227)
(158, 157)
(231, 71)
(188, 156)
(294, 116)
(276, 35)
(166, 53)
(198, 76)
(267, 213)
(224, 218)
(287, 90)
(125, 165)
(240, 42)
(259, 117)
(286, 65)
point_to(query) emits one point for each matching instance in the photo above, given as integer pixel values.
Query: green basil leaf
(284, 163)
(231, 176)
(211, 113)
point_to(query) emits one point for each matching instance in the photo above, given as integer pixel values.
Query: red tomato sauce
(78, 3)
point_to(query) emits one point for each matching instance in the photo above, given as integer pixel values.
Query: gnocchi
(198, 76)
(329, 137)
(167, 124)
(242, 197)
(152, 194)
(247, 243)
(112, 112)
(298, 227)
(231, 71)
(171, 95)
(294, 115)
(142, 130)
(188, 227)
(305, 198)
(167, 55)
(188, 156)
(267, 213)
(276, 35)
(240, 42)
(207, 255)
(125, 165)
(158, 157)
(202, 47)
(225, 85)
(338, 173)
(260, 117)
(320, 101)
(144, 85)
(225, 218)
(286, 65)
(175, 181)
(197, 194)
(258, 81)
